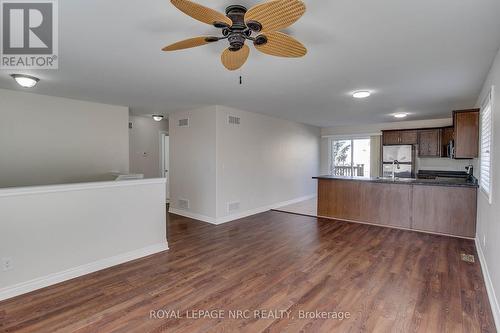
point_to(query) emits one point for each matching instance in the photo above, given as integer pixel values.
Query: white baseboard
(495, 308)
(51, 279)
(240, 215)
(192, 215)
(294, 201)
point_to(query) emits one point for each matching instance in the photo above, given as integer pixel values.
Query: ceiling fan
(238, 26)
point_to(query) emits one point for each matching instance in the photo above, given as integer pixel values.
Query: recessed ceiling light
(400, 115)
(25, 81)
(157, 117)
(361, 94)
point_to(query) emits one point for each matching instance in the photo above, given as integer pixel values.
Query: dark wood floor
(388, 280)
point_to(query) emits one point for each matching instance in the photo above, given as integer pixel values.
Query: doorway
(165, 161)
(350, 157)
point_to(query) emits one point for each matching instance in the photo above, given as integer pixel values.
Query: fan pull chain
(241, 76)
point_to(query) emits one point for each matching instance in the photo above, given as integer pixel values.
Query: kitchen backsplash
(445, 164)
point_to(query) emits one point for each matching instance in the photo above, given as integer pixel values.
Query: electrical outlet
(6, 264)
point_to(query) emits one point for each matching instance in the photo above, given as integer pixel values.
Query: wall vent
(183, 122)
(183, 204)
(233, 206)
(233, 120)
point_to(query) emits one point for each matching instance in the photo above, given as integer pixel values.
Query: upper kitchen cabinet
(463, 136)
(400, 137)
(466, 125)
(447, 136)
(390, 137)
(429, 143)
(409, 137)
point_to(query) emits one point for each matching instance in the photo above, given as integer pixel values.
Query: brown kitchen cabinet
(432, 142)
(441, 209)
(377, 203)
(429, 143)
(466, 125)
(390, 137)
(409, 137)
(445, 210)
(399, 137)
(446, 136)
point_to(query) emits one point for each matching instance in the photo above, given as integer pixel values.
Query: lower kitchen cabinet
(386, 204)
(447, 210)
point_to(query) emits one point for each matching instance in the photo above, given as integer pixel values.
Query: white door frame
(163, 134)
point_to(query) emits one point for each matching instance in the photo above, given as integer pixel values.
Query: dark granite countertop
(461, 182)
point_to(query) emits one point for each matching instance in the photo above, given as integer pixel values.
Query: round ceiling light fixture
(25, 81)
(157, 117)
(361, 94)
(400, 115)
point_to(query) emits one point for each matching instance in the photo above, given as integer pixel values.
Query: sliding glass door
(350, 157)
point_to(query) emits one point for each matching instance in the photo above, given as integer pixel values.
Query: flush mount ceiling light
(25, 81)
(157, 117)
(400, 115)
(361, 94)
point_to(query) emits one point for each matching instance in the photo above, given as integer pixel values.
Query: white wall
(54, 233)
(263, 161)
(51, 140)
(192, 161)
(488, 227)
(144, 143)
(324, 156)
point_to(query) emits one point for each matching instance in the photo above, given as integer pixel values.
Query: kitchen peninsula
(441, 206)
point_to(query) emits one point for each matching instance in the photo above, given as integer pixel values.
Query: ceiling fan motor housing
(240, 30)
(237, 14)
(236, 41)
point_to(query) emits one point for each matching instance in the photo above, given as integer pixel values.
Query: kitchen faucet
(393, 170)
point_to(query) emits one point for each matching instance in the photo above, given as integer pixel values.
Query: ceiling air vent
(233, 120)
(183, 122)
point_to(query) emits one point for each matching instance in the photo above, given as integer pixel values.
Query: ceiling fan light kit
(239, 24)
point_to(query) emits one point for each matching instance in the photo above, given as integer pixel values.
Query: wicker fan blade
(233, 60)
(281, 45)
(188, 43)
(201, 13)
(276, 15)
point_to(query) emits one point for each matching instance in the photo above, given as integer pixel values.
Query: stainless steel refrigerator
(405, 155)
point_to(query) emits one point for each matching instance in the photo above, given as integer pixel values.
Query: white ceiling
(424, 57)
